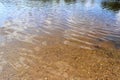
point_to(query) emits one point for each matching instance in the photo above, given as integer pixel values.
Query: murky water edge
(59, 40)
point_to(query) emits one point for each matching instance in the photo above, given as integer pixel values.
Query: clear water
(83, 23)
(49, 40)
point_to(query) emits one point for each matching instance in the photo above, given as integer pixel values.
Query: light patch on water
(48, 22)
(1, 52)
(2, 44)
(18, 32)
(79, 37)
(36, 48)
(22, 61)
(118, 20)
(66, 42)
(26, 50)
(2, 62)
(20, 64)
(88, 4)
(44, 43)
(71, 20)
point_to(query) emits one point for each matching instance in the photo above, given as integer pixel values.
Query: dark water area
(111, 5)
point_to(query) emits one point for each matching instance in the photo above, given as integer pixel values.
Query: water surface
(41, 39)
(77, 21)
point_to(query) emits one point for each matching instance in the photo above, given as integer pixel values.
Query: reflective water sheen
(86, 22)
(26, 26)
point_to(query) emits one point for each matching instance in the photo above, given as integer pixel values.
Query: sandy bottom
(56, 61)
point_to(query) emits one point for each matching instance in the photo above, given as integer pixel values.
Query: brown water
(59, 40)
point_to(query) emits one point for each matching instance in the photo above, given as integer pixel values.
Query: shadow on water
(50, 1)
(70, 1)
(111, 5)
(56, 1)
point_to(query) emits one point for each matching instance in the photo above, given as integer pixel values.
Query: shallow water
(80, 23)
(41, 35)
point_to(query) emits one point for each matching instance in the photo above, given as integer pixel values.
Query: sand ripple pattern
(89, 37)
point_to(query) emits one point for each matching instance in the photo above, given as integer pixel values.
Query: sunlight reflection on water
(82, 21)
(26, 26)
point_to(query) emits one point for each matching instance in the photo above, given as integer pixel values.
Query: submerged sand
(50, 59)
